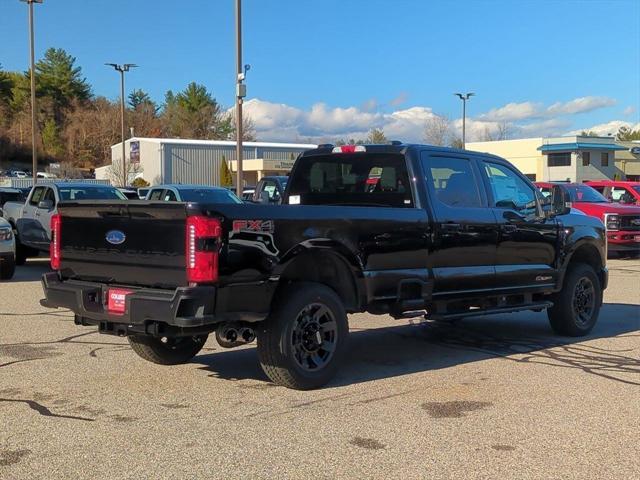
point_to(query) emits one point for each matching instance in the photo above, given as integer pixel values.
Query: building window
(586, 159)
(559, 159)
(604, 159)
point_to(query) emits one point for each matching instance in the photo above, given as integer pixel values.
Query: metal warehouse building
(176, 160)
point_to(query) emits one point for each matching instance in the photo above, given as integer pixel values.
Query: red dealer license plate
(117, 298)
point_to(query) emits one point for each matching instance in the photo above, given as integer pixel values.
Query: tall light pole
(34, 152)
(464, 97)
(241, 92)
(122, 68)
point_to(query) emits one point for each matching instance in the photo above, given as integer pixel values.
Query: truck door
(44, 214)
(464, 251)
(29, 229)
(527, 240)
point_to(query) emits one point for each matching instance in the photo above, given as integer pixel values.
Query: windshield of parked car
(209, 195)
(584, 193)
(90, 193)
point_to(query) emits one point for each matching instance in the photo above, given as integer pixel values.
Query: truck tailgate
(120, 242)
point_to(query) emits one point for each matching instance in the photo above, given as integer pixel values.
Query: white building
(176, 160)
(575, 158)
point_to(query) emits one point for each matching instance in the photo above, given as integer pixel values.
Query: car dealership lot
(491, 397)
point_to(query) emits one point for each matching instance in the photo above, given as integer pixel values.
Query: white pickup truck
(7, 250)
(31, 220)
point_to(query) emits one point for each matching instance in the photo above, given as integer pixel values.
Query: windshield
(584, 193)
(209, 195)
(90, 193)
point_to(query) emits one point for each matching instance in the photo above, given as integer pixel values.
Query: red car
(618, 190)
(621, 221)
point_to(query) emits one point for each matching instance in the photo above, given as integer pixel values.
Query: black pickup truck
(394, 229)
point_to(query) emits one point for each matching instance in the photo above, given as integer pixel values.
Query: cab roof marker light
(349, 149)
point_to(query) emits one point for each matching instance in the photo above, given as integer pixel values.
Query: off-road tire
(277, 335)
(7, 267)
(566, 317)
(174, 352)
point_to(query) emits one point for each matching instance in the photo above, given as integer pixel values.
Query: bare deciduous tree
(503, 131)
(437, 130)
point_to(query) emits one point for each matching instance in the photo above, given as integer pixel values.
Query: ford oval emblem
(115, 237)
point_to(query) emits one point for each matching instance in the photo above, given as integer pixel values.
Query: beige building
(628, 160)
(574, 158)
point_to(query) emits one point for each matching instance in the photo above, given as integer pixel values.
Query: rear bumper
(185, 307)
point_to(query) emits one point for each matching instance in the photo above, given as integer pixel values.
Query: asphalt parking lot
(491, 397)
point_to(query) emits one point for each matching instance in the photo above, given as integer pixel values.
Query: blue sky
(333, 68)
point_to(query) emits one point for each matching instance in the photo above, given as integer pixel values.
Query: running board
(491, 311)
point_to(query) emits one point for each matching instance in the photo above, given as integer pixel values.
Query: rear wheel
(302, 342)
(576, 307)
(7, 267)
(167, 351)
(22, 252)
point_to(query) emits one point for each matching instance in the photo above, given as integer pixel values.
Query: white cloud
(399, 100)
(322, 123)
(276, 121)
(530, 110)
(580, 105)
(604, 129)
(630, 110)
(513, 111)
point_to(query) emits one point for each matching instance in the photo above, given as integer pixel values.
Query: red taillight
(54, 246)
(203, 234)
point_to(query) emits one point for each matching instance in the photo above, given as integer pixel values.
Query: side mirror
(560, 201)
(45, 205)
(264, 197)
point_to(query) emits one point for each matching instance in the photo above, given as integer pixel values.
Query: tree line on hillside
(77, 128)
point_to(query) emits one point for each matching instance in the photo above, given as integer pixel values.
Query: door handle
(508, 227)
(451, 227)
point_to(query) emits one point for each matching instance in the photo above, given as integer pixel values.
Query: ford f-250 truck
(443, 233)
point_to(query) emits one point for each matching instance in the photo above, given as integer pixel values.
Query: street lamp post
(241, 92)
(122, 69)
(464, 97)
(34, 152)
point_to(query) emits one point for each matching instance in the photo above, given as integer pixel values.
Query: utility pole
(34, 152)
(241, 92)
(464, 97)
(122, 69)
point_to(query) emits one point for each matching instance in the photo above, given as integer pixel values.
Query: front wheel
(301, 344)
(577, 305)
(167, 351)
(7, 267)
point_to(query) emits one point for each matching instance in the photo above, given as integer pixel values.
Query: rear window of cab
(377, 180)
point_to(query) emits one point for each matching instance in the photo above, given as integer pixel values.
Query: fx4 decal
(258, 226)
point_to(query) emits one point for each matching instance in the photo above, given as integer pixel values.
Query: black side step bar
(491, 311)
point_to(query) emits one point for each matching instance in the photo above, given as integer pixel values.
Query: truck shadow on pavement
(524, 338)
(30, 271)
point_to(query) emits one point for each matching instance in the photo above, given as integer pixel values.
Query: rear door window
(454, 181)
(359, 179)
(156, 194)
